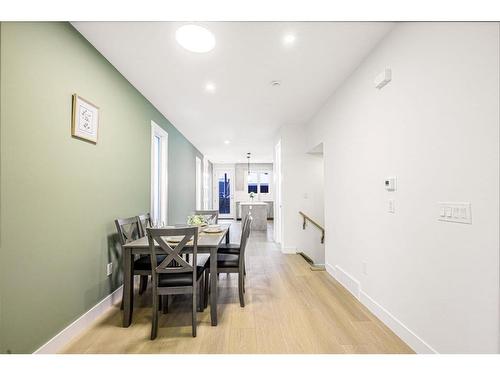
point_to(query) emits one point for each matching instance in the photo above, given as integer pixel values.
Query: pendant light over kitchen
(248, 161)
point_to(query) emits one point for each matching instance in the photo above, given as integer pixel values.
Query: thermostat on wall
(390, 184)
(383, 78)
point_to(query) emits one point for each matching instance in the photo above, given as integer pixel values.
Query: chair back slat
(243, 225)
(173, 255)
(144, 222)
(213, 215)
(173, 263)
(128, 229)
(245, 233)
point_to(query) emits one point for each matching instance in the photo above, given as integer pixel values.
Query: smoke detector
(275, 83)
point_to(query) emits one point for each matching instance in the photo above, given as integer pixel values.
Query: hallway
(289, 309)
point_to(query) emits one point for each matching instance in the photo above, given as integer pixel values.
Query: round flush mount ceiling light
(195, 38)
(210, 87)
(288, 39)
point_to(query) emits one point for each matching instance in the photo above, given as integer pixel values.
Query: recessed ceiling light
(289, 39)
(210, 87)
(226, 142)
(195, 38)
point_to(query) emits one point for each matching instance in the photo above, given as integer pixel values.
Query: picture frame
(84, 119)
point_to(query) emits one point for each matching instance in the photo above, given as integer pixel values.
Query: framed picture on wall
(84, 119)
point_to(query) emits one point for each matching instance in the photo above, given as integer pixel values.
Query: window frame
(206, 185)
(259, 172)
(162, 216)
(198, 183)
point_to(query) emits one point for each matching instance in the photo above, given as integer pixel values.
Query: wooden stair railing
(307, 218)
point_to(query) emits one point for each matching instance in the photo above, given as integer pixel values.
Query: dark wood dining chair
(233, 263)
(144, 222)
(212, 215)
(174, 275)
(233, 248)
(129, 230)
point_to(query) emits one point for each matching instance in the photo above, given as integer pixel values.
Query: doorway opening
(278, 222)
(224, 192)
(312, 240)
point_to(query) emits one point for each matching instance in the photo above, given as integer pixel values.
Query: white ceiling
(245, 109)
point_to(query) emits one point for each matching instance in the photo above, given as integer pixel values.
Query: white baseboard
(58, 342)
(347, 281)
(289, 250)
(330, 270)
(405, 333)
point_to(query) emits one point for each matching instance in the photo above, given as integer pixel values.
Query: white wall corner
(402, 331)
(288, 249)
(60, 340)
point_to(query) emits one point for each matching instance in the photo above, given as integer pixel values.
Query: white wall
(302, 188)
(435, 127)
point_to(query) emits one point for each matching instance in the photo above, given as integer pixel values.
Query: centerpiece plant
(197, 220)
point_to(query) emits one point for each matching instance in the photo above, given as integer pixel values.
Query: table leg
(227, 236)
(128, 287)
(213, 286)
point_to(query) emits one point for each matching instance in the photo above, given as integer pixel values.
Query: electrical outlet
(365, 268)
(109, 269)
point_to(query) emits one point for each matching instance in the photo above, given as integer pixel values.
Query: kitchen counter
(270, 208)
(258, 210)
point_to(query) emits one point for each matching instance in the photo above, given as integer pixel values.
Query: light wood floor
(289, 309)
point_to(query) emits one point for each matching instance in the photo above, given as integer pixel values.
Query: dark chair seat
(179, 279)
(228, 261)
(181, 276)
(232, 260)
(229, 248)
(144, 262)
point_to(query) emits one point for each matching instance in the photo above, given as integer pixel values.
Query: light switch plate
(456, 212)
(391, 206)
(364, 265)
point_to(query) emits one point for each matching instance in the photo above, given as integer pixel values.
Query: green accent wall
(59, 196)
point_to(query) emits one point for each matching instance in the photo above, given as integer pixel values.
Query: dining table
(208, 243)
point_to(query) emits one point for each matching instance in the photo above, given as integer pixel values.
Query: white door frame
(277, 174)
(206, 186)
(163, 135)
(199, 184)
(230, 169)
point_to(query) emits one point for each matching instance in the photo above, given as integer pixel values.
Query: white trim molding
(198, 183)
(347, 281)
(60, 340)
(404, 333)
(158, 131)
